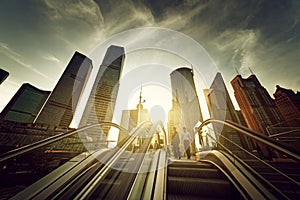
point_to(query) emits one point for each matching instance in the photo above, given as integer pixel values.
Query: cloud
(86, 10)
(74, 22)
(13, 55)
(51, 57)
(241, 45)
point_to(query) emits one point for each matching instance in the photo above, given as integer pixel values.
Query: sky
(38, 37)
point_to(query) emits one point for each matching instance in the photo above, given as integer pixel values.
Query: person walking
(186, 138)
(175, 144)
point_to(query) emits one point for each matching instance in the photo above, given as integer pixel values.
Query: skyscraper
(257, 107)
(174, 119)
(220, 107)
(184, 92)
(131, 118)
(25, 104)
(61, 104)
(101, 103)
(288, 104)
(3, 75)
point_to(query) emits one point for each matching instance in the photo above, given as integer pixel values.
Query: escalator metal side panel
(66, 170)
(252, 187)
(161, 177)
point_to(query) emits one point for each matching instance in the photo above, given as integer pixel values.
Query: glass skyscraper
(186, 99)
(62, 102)
(101, 102)
(25, 104)
(220, 107)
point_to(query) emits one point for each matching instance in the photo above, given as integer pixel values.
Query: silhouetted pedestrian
(186, 138)
(175, 143)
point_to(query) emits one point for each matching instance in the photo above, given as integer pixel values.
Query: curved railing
(82, 171)
(257, 136)
(293, 183)
(52, 139)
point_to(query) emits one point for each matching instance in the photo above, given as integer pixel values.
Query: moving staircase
(198, 180)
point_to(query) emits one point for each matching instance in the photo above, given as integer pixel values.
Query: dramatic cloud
(16, 57)
(261, 34)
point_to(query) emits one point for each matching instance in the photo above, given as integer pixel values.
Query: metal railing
(288, 150)
(27, 148)
(284, 148)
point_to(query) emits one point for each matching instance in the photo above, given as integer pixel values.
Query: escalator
(279, 180)
(149, 173)
(103, 174)
(198, 180)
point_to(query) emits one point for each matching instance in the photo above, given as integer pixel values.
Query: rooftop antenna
(192, 69)
(140, 99)
(140, 105)
(237, 71)
(251, 71)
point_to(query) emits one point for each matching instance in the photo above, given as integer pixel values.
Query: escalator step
(196, 186)
(191, 164)
(190, 197)
(194, 172)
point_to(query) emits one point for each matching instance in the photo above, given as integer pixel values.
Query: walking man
(175, 144)
(186, 138)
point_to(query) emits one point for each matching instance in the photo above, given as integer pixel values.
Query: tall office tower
(3, 75)
(184, 91)
(61, 104)
(257, 107)
(25, 104)
(101, 103)
(130, 119)
(288, 104)
(174, 120)
(220, 107)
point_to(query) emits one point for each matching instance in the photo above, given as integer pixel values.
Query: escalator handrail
(251, 186)
(155, 170)
(49, 184)
(30, 147)
(53, 179)
(235, 159)
(89, 188)
(287, 149)
(257, 158)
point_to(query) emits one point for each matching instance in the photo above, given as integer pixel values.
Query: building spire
(140, 106)
(192, 69)
(251, 71)
(237, 71)
(140, 100)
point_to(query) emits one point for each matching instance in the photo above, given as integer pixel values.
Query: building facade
(25, 104)
(220, 107)
(288, 104)
(257, 106)
(174, 120)
(101, 102)
(185, 95)
(130, 119)
(3, 75)
(62, 102)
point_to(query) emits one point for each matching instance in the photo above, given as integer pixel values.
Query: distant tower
(59, 108)
(174, 119)
(184, 92)
(101, 103)
(130, 118)
(25, 104)
(257, 107)
(3, 75)
(220, 107)
(288, 104)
